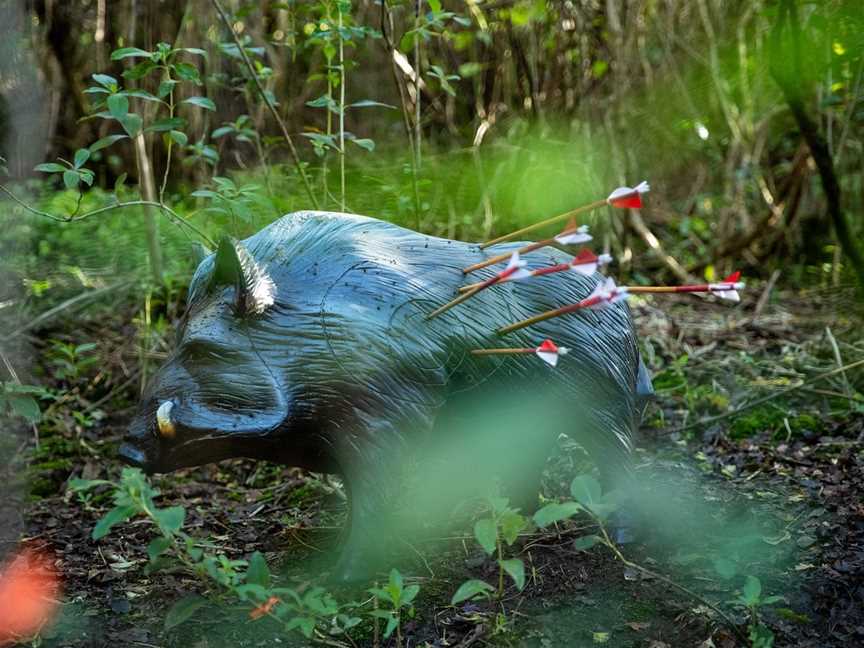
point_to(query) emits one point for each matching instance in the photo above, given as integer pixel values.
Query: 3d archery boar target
(308, 344)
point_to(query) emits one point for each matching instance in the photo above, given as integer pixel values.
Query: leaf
(81, 156)
(585, 542)
(258, 573)
(556, 512)
(50, 167)
(752, 590)
(157, 547)
(115, 516)
(108, 82)
(367, 144)
(167, 124)
(186, 72)
(105, 142)
(166, 87)
(222, 131)
(141, 94)
(183, 610)
(170, 519)
(201, 102)
(410, 594)
(87, 176)
(179, 137)
(486, 534)
(470, 589)
(71, 179)
(129, 52)
(118, 106)
(515, 568)
(585, 490)
(194, 50)
(368, 103)
(24, 406)
(511, 524)
(139, 71)
(391, 626)
(132, 123)
(396, 583)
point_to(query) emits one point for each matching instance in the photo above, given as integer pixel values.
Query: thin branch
(251, 68)
(698, 597)
(175, 217)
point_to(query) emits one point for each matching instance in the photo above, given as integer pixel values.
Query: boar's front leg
(369, 467)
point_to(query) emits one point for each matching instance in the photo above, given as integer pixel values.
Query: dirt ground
(776, 492)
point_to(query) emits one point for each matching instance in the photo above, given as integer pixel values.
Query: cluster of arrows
(587, 263)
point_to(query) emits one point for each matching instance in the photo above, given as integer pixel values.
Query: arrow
(585, 263)
(548, 352)
(623, 197)
(607, 293)
(726, 289)
(604, 294)
(572, 232)
(514, 271)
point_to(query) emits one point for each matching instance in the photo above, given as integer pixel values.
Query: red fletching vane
(549, 353)
(628, 197)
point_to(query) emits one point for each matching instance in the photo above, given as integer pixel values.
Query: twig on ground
(769, 397)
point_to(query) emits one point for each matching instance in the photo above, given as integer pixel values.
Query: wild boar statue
(308, 344)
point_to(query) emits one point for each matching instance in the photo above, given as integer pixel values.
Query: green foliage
(492, 533)
(751, 598)
(396, 597)
(248, 581)
(20, 400)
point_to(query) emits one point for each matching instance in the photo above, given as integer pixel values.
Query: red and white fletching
(586, 262)
(728, 288)
(628, 197)
(515, 269)
(606, 293)
(574, 235)
(549, 353)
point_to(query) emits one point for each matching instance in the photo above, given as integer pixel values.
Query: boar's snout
(140, 447)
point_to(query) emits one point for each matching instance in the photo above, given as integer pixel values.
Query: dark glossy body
(342, 373)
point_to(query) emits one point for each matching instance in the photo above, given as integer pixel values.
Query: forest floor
(775, 492)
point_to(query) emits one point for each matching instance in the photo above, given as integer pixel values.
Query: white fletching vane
(549, 353)
(515, 269)
(727, 290)
(581, 235)
(587, 269)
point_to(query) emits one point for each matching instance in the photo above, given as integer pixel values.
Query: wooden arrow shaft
(503, 351)
(558, 267)
(557, 312)
(503, 257)
(555, 219)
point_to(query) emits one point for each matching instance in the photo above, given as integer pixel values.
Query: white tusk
(163, 420)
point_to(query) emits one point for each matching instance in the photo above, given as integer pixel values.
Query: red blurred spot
(28, 596)
(264, 608)
(633, 201)
(733, 278)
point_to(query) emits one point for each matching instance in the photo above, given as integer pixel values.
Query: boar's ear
(234, 266)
